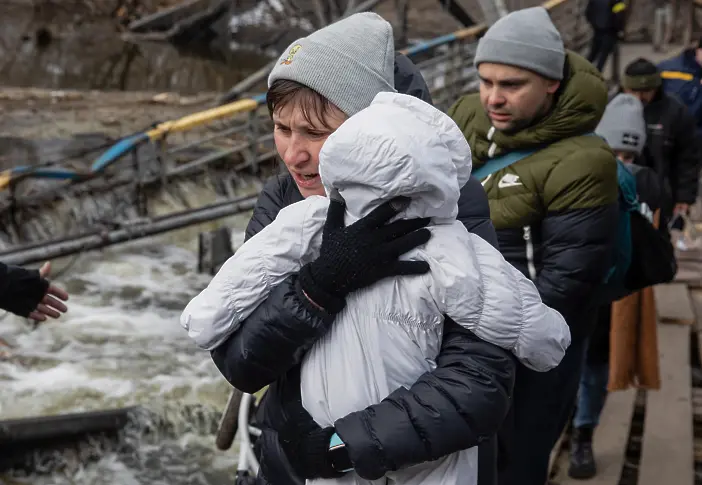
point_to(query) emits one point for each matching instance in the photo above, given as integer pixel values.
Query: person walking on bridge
(682, 78)
(607, 18)
(380, 342)
(672, 148)
(553, 195)
(317, 83)
(622, 350)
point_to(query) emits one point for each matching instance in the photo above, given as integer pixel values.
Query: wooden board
(673, 304)
(610, 440)
(688, 274)
(696, 297)
(667, 449)
(555, 453)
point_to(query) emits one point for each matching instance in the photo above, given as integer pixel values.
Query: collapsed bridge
(83, 203)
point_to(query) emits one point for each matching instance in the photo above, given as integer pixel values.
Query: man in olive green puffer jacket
(554, 210)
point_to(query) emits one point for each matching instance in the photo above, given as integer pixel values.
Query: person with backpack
(672, 148)
(630, 323)
(553, 193)
(466, 397)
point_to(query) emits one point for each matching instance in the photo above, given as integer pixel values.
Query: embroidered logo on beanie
(293, 50)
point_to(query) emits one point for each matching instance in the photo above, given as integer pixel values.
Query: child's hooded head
(398, 146)
(623, 127)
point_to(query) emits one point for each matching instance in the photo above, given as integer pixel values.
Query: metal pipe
(27, 430)
(135, 230)
(247, 458)
(21, 440)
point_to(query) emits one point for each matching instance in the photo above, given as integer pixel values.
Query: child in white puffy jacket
(389, 334)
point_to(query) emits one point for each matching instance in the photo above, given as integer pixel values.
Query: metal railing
(222, 141)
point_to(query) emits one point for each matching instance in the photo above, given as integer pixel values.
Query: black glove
(21, 290)
(361, 254)
(308, 452)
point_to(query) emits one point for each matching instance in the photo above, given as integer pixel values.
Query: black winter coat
(460, 405)
(672, 150)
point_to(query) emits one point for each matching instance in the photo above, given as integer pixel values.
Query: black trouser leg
(608, 41)
(542, 405)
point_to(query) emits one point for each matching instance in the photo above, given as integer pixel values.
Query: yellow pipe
(202, 117)
(5, 178)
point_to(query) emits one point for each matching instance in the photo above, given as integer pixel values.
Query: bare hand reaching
(52, 304)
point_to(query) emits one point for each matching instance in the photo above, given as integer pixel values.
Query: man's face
(645, 96)
(698, 56)
(299, 141)
(514, 98)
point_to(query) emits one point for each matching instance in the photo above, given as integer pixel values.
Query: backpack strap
(495, 164)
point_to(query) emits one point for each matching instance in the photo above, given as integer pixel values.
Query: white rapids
(121, 344)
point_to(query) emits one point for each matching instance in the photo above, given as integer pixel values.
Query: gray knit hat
(524, 38)
(348, 62)
(623, 125)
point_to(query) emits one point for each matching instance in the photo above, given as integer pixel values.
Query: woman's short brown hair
(284, 92)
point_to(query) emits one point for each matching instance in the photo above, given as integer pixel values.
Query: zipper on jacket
(529, 252)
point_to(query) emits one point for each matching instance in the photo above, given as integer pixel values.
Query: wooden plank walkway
(667, 448)
(663, 443)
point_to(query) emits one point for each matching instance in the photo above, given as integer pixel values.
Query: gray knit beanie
(348, 62)
(623, 125)
(524, 38)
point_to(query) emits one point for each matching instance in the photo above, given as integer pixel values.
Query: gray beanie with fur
(524, 38)
(348, 62)
(623, 125)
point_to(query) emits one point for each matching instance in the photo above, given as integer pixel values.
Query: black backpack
(652, 257)
(652, 253)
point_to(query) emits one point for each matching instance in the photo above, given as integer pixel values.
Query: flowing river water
(121, 344)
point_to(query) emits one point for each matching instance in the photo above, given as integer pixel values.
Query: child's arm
(502, 306)
(258, 266)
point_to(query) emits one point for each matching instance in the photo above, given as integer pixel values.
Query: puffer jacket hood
(429, 169)
(580, 103)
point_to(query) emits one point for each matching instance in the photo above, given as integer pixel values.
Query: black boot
(582, 461)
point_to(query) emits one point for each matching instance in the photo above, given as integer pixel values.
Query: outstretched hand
(363, 253)
(52, 304)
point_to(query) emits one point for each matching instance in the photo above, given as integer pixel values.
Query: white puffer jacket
(388, 335)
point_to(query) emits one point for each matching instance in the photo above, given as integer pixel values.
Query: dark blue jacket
(461, 404)
(682, 78)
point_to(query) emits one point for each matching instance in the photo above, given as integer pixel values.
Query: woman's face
(299, 141)
(625, 156)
